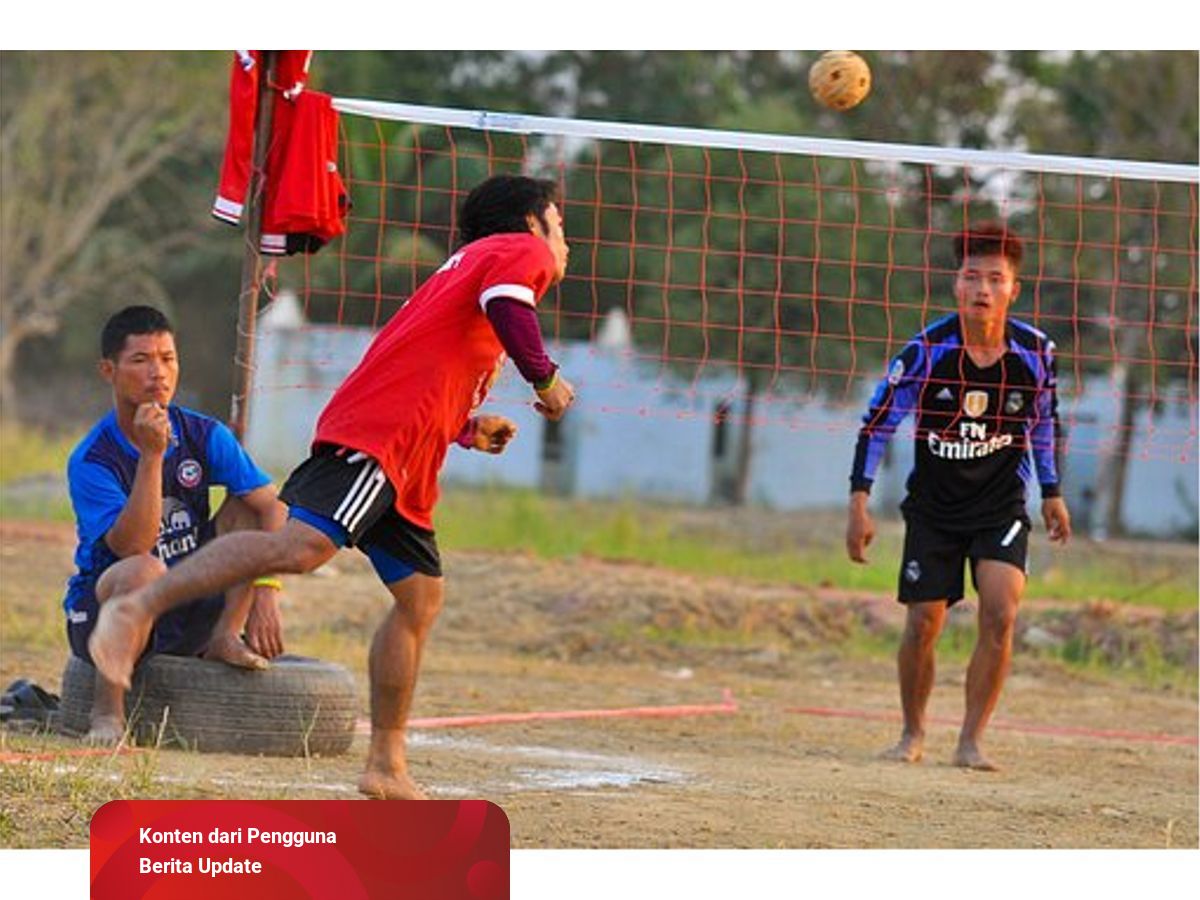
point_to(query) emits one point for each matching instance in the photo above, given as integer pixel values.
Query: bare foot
(967, 756)
(386, 786)
(233, 651)
(105, 731)
(909, 749)
(121, 632)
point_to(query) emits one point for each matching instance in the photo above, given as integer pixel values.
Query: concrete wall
(637, 430)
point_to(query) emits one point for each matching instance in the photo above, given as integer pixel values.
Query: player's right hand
(151, 429)
(554, 400)
(860, 531)
(264, 624)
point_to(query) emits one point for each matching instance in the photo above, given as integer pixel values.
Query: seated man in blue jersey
(139, 485)
(982, 388)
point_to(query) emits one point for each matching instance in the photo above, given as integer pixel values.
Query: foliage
(96, 171)
(798, 548)
(796, 274)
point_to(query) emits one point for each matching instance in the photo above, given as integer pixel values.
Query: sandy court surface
(520, 634)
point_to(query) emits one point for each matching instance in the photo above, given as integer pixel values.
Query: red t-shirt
(432, 364)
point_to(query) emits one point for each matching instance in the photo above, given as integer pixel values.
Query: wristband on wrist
(546, 384)
(269, 581)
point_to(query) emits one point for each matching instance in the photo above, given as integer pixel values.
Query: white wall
(636, 430)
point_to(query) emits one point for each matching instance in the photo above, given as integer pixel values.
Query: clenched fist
(151, 429)
(554, 400)
(492, 433)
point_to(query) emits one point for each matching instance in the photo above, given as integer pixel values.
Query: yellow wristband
(268, 581)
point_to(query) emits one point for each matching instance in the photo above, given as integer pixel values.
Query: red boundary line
(727, 705)
(47, 755)
(1029, 728)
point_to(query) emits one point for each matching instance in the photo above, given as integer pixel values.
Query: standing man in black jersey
(982, 387)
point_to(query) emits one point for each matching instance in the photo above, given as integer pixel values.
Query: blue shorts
(184, 631)
(345, 495)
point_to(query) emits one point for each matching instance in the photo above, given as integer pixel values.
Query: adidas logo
(944, 394)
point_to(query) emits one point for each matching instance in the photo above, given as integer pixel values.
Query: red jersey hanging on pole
(305, 202)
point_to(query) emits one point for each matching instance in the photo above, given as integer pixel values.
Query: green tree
(1126, 271)
(86, 141)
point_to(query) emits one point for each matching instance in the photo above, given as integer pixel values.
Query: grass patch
(51, 802)
(28, 452)
(33, 473)
(796, 548)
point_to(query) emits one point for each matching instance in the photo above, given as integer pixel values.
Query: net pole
(252, 268)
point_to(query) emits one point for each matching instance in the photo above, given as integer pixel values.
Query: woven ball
(840, 79)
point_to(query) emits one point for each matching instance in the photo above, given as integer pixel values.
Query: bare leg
(226, 644)
(125, 621)
(106, 724)
(395, 660)
(1000, 588)
(107, 720)
(917, 667)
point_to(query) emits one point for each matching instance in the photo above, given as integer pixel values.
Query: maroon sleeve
(466, 437)
(516, 325)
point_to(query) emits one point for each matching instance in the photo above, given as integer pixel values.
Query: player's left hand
(492, 433)
(1056, 519)
(264, 625)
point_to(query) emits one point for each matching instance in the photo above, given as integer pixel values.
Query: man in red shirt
(371, 481)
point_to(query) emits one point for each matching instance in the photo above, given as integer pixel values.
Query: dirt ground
(520, 634)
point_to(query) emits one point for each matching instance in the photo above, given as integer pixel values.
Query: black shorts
(932, 565)
(346, 495)
(183, 631)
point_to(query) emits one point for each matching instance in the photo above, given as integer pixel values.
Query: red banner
(267, 849)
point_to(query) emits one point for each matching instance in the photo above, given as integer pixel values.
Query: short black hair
(988, 239)
(500, 206)
(131, 320)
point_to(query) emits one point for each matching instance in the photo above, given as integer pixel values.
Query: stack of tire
(296, 707)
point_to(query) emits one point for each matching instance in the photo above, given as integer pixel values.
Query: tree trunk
(1117, 470)
(1114, 465)
(745, 447)
(8, 393)
(12, 336)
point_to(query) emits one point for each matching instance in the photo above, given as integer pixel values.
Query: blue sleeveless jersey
(100, 474)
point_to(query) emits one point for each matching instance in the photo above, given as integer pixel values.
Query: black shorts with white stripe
(346, 494)
(932, 565)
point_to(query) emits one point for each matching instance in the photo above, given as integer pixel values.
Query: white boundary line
(515, 123)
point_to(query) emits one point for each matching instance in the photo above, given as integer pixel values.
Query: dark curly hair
(500, 205)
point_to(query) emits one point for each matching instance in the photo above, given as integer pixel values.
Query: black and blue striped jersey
(976, 429)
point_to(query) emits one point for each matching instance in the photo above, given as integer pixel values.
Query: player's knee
(129, 574)
(299, 552)
(923, 624)
(998, 620)
(424, 602)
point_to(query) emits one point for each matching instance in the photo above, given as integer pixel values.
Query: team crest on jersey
(895, 373)
(189, 473)
(1015, 401)
(975, 403)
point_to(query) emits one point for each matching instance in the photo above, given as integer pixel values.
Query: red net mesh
(793, 276)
